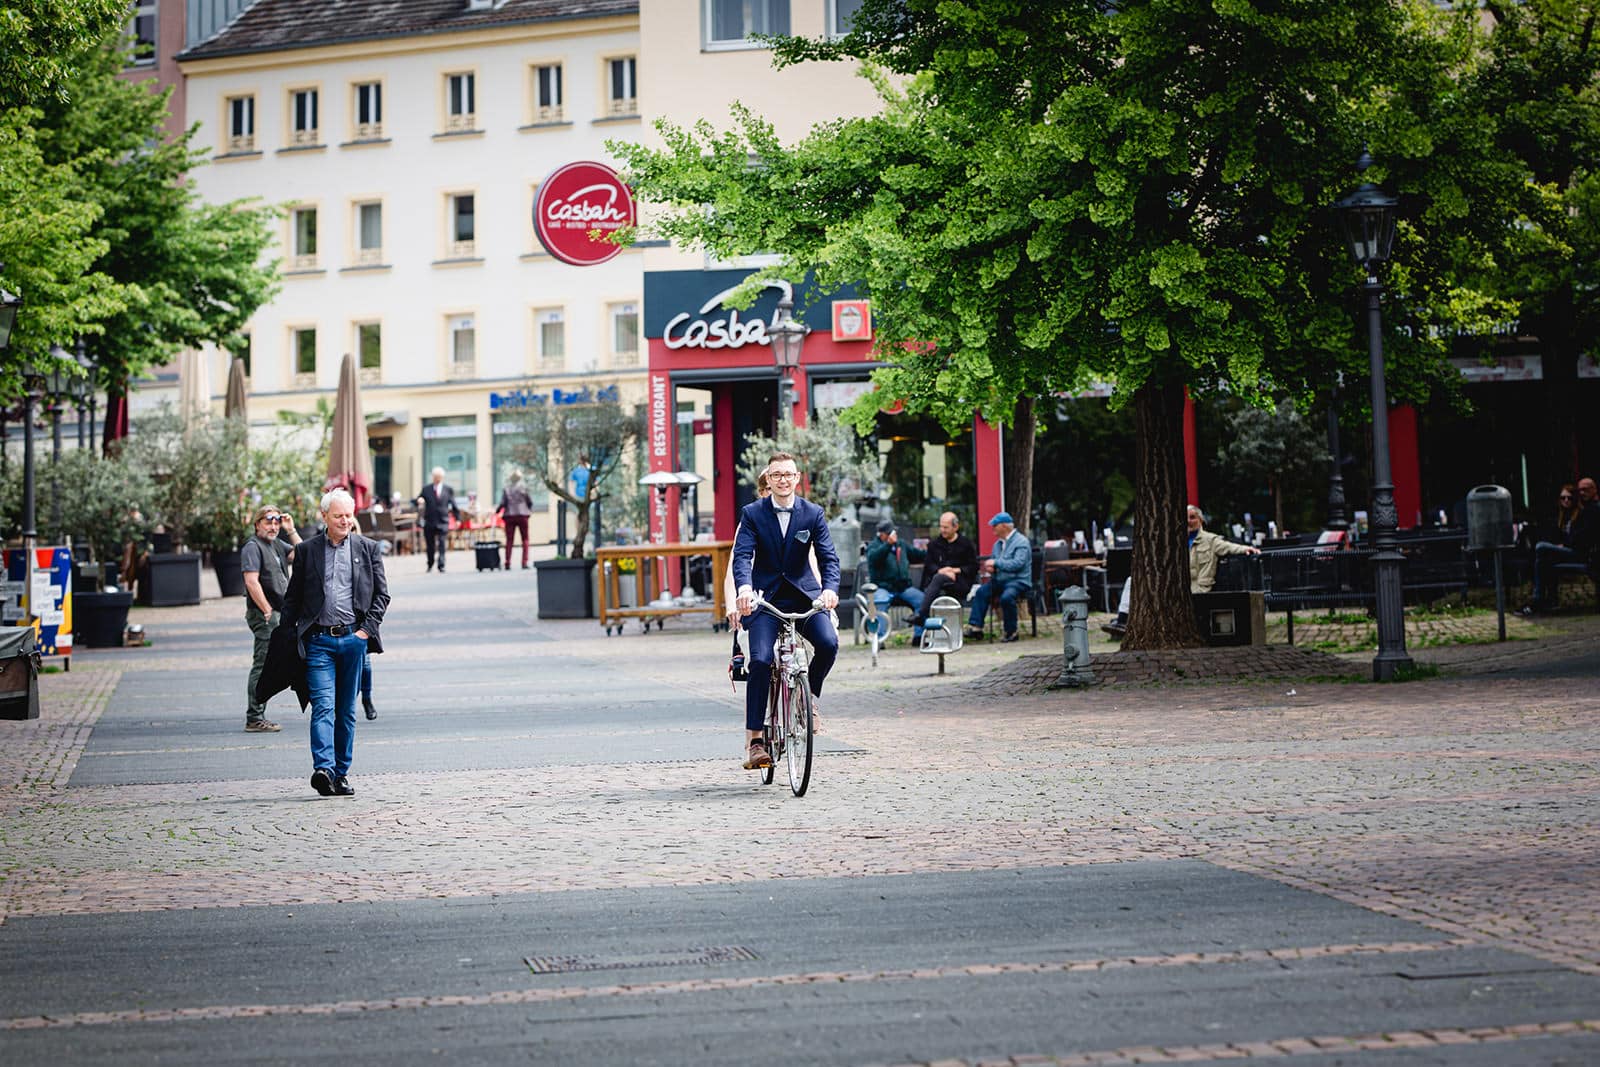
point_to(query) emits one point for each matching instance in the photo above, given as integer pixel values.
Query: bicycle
(790, 724)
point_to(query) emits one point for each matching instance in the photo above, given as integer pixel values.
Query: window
(841, 13)
(550, 330)
(369, 345)
(142, 28)
(305, 354)
(369, 234)
(623, 94)
(241, 123)
(461, 105)
(452, 443)
(369, 109)
(463, 345)
(733, 22)
(547, 93)
(303, 251)
(625, 334)
(463, 226)
(303, 117)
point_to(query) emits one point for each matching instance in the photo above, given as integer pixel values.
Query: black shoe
(322, 782)
(1008, 638)
(342, 787)
(366, 706)
(973, 633)
(430, 567)
(1113, 630)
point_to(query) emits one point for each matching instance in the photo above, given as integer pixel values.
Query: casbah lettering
(696, 331)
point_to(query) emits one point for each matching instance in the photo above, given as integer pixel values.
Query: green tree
(1136, 193)
(839, 465)
(600, 436)
(41, 40)
(1273, 445)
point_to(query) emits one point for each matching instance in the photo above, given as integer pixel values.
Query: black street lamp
(58, 385)
(1336, 512)
(10, 304)
(83, 396)
(1368, 217)
(788, 338)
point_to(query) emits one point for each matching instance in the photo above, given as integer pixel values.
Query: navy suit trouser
(764, 636)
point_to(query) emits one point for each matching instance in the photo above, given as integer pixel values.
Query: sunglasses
(1564, 496)
(273, 518)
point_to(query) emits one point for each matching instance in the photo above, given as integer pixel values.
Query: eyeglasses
(785, 475)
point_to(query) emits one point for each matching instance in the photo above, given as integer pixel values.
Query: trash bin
(1488, 518)
(488, 553)
(19, 674)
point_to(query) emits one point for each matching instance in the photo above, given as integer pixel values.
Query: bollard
(1075, 672)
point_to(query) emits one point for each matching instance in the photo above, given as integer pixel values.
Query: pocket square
(802, 536)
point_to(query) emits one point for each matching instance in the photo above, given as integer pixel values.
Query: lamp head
(1368, 218)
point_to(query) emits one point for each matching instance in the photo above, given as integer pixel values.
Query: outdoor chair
(1108, 580)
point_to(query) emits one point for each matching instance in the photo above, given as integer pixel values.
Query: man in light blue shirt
(1012, 560)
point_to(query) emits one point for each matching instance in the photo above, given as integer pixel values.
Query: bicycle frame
(790, 684)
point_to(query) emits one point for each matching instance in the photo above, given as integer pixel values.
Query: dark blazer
(437, 506)
(285, 668)
(303, 603)
(764, 559)
(961, 554)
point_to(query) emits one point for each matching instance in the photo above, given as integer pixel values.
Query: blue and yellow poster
(49, 599)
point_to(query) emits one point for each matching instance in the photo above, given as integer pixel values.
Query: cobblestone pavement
(1467, 803)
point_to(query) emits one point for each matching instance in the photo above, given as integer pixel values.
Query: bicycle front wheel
(797, 746)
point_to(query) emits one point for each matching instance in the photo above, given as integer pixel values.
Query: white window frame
(301, 258)
(615, 313)
(540, 110)
(240, 139)
(303, 379)
(549, 316)
(366, 373)
(618, 106)
(299, 134)
(707, 21)
(454, 326)
(833, 29)
(372, 128)
(467, 119)
(145, 9)
(455, 246)
(363, 255)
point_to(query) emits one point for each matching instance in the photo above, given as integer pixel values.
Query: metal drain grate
(665, 958)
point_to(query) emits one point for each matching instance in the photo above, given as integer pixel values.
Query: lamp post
(1336, 512)
(83, 393)
(1368, 218)
(10, 304)
(58, 382)
(788, 338)
(32, 389)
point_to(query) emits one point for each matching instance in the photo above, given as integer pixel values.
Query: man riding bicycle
(772, 554)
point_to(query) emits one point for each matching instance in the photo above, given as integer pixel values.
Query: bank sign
(685, 309)
(577, 207)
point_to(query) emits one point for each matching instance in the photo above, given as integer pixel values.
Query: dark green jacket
(889, 566)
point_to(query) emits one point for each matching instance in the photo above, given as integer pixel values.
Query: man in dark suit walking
(438, 504)
(336, 600)
(772, 555)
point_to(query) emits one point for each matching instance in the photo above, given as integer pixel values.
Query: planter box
(100, 619)
(230, 578)
(566, 588)
(170, 579)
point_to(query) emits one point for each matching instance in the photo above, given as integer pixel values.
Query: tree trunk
(1159, 611)
(581, 531)
(1019, 466)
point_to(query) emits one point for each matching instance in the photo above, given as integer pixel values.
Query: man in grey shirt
(336, 600)
(264, 559)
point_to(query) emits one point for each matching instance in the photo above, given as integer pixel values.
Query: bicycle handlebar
(759, 603)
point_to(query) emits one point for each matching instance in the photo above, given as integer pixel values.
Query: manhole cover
(665, 958)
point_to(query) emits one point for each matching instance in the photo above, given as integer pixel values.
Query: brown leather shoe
(759, 760)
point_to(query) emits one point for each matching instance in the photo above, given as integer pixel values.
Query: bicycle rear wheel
(797, 746)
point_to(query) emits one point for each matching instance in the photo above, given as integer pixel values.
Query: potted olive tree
(598, 437)
(103, 510)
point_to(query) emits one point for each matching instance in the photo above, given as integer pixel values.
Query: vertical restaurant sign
(49, 600)
(579, 200)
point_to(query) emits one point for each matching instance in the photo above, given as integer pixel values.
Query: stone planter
(100, 619)
(170, 579)
(566, 588)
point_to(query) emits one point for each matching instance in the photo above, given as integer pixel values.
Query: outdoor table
(611, 615)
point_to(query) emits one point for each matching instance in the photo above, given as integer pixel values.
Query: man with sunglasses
(772, 555)
(264, 559)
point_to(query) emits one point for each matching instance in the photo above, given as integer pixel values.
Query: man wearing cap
(264, 559)
(1012, 560)
(889, 568)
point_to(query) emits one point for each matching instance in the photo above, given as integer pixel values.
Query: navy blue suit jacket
(764, 559)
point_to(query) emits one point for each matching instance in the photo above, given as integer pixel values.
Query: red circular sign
(576, 201)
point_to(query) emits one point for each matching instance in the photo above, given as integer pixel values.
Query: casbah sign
(524, 398)
(708, 329)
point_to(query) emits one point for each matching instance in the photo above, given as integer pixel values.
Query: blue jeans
(911, 598)
(366, 676)
(1546, 554)
(1009, 592)
(333, 673)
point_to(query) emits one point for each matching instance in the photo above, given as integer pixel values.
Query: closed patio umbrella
(234, 404)
(194, 387)
(349, 465)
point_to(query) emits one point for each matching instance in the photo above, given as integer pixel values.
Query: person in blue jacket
(1012, 560)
